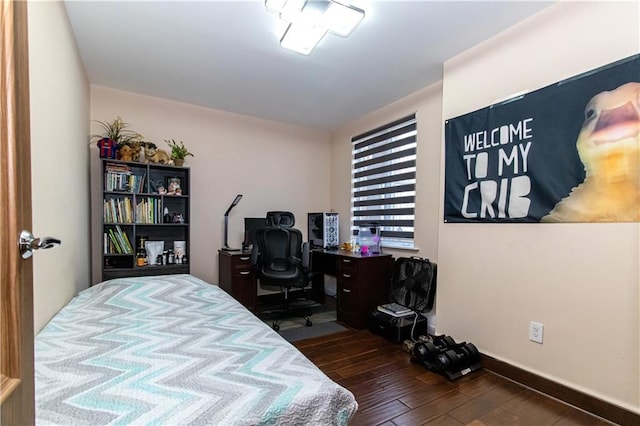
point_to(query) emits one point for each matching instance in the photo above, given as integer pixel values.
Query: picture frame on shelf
(174, 186)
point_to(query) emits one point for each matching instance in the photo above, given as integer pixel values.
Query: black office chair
(282, 259)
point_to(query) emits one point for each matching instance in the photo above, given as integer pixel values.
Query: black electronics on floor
(397, 329)
(322, 230)
(411, 293)
(441, 354)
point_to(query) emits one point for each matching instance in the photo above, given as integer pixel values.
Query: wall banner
(569, 152)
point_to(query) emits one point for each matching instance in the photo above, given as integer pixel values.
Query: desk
(362, 281)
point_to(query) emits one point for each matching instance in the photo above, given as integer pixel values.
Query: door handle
(28, 243)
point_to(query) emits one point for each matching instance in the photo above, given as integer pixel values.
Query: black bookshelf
(134, 198)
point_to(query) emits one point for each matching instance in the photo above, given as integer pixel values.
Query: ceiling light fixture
(309, 21)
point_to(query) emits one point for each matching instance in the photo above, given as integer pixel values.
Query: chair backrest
(279, 254)
(281, 219)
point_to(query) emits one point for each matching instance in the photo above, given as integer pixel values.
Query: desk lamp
(226, 223)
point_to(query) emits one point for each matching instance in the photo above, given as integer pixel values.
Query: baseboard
(578, 399)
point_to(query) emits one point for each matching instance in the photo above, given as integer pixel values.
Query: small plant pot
(178, 161)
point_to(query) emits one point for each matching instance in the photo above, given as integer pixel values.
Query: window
(383, 181)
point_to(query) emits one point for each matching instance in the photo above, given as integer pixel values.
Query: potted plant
(178, 151)
(116, 134)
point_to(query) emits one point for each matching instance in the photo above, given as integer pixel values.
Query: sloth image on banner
(569, 152)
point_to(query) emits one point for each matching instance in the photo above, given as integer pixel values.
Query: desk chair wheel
(308, 322)
(275, 326)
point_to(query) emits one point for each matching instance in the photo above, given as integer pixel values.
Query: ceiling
(226, 55)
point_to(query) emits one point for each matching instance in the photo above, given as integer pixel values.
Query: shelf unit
(133, 208)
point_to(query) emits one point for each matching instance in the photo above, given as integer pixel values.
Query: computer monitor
(251, 225)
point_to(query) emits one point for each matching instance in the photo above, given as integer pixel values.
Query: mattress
(172, 350)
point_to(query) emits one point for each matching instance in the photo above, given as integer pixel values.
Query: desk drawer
(242, 274)
(242, 262)
(347, 309)
(245, 288)
(347, 266)
(348, 289)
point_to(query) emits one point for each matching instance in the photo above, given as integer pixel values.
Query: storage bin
(369, 236)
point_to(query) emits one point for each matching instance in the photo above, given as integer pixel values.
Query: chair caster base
(275, 326)
(308, 323)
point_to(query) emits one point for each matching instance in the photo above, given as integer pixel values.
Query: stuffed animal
(154, 155)
(125, 153)
(137, 149)
(609, 147)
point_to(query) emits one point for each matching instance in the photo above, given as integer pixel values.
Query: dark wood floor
(391, 390)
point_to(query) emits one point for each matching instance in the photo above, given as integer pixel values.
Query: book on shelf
(119, 242)
(149, 210)
(117, 181)
(117, 210)
(395, 309)
(137, 183)
(117, 167)
(114, 242)
(126, 244)
(120, 178)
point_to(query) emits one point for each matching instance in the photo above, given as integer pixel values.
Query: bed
(174, 350)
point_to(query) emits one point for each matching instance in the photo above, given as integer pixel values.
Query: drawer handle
(346, 260)
(346, 291)
(245, 272)
(346, 275)
(245, 258)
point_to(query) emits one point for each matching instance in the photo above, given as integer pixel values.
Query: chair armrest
(255, 253)
(306, 257)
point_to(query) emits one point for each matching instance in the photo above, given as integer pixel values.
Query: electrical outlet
(535, 332)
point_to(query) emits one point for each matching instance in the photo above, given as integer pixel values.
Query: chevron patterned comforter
(174, 350)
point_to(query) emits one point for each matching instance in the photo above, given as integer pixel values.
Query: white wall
(59, 97)
(579, 280)
(427, 105)
(275, 166)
